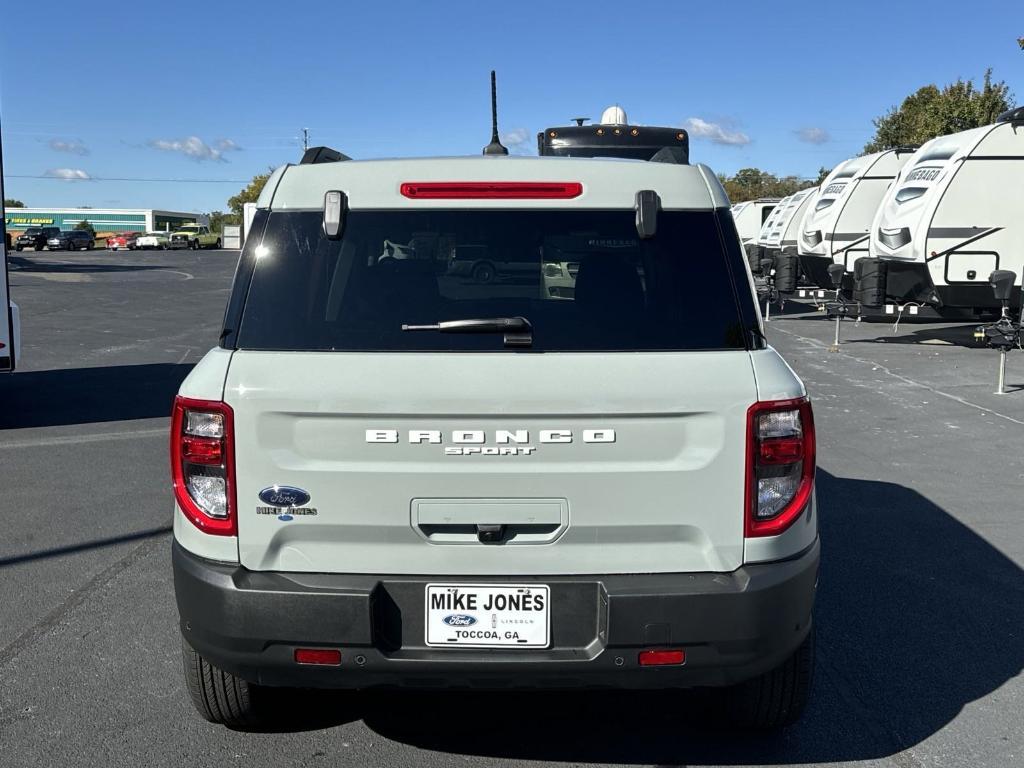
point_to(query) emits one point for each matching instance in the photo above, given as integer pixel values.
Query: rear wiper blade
(518, 331)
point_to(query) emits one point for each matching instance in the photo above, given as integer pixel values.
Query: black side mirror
(1002, 281)
(836, 272)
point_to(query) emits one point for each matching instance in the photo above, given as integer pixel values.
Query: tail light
(203, 464)
(780, 464)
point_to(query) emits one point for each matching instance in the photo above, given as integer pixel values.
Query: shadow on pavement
(86, 395)
(917, 616)
(21, 264)
(957, 336)
(110, 541)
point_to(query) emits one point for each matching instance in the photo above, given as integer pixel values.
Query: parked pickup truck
(195, 236)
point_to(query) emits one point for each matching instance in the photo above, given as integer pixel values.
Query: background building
(104, 220)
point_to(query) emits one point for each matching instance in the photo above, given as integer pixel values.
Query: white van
(836, 230)
(10, 323)
(956, 214)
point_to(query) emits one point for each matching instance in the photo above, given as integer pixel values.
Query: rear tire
(777, 698)
(483, 273)
(218, 696)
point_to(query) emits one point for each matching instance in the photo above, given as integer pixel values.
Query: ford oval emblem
(285, 518)
(459, 620)
(283, 496)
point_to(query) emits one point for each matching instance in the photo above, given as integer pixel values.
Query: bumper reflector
(324, 656)
(662, 658)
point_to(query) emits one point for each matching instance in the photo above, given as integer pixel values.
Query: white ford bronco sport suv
(390, 474)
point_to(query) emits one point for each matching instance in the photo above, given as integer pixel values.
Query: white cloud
(716, 132)
(69, 174)
(813, 135)
(195, 148)
(519, 141)
(71, 146)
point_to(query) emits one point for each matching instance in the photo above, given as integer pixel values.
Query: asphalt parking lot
(920, 610)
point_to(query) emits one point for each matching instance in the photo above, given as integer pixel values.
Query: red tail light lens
(203, 464)
(495, 190)
(780, 464)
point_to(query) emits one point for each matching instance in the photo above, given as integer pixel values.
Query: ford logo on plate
(459, 620)
(283, 496)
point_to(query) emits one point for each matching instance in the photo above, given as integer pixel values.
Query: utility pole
(305, 139)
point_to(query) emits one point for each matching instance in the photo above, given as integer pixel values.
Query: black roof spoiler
(1015, 115)
(315, 155)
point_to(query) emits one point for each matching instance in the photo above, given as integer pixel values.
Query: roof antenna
(495, 147)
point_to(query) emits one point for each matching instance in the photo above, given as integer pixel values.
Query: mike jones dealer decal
(475, 442)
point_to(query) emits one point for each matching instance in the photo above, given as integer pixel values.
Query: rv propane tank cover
(787, 271)
(869, 280)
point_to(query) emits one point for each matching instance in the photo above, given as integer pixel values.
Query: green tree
(12, 203)
(823, 173)
(218, 219)
(1020, 42)
(248, 195)
(931, 112)
(84, 224)
(752, 183)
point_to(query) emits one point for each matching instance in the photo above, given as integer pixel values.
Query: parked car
(386, 476)
(35, 237)
(195, 236)
(72, 240)
(153, 240)
(122, 240)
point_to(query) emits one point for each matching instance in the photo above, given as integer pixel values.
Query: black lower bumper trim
(733, 626)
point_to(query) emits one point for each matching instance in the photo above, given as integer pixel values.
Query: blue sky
(218, 92)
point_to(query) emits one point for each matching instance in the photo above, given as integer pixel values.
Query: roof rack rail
(906, 148)
(1015, 115)
(322, 155)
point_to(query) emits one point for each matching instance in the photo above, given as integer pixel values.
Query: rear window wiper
(517, 330)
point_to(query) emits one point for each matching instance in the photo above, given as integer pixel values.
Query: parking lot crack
(31, 635)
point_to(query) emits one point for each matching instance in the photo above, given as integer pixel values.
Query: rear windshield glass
(583, 280)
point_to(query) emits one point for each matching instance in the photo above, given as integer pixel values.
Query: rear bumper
(733, 626)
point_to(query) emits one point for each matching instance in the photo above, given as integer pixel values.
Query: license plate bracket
(488, 615)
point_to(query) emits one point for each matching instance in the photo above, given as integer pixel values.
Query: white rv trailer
(786, 228)
(751, 216)
(837, 229)
(955, 215)
(757, 249)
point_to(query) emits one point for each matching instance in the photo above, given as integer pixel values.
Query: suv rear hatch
(613, 443)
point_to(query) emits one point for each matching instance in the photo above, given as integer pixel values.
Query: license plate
(488, 615)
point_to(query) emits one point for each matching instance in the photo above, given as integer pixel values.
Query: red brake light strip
(491, 190)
